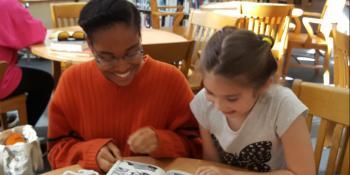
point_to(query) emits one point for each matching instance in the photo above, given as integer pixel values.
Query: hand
(143, 141)
(107, 156)
(210, 170)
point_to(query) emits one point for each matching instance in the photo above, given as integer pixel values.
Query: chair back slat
(336, 139)
(345, 164)
(321, 137)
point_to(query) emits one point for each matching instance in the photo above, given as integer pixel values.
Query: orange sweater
(87, 111)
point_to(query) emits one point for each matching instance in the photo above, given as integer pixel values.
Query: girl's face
(118, 53)
(228, 97)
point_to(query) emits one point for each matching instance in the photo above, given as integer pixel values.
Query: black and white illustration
(253, 156)
(126, 167)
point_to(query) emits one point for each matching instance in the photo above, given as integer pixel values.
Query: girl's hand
(107, 156)
(143, 141)
(211, 170)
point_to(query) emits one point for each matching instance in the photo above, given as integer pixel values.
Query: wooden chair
(202, 25)
(158, 13)
(269, 19)
(178, 54)
(331, 105)
(64, 15)
(341, 59)
(319, 39)
(10, 104)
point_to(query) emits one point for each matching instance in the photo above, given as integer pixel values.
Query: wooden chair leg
(56, 69)
(317, 60)
(155, 21)
(326, 73)
(287, 60)
(22, 112)
(279, 79)
(3, 121)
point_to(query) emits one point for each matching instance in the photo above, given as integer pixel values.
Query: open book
(127, 167)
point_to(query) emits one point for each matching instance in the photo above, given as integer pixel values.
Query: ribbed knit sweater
(87, 111)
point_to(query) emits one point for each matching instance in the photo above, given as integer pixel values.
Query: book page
(126, 167)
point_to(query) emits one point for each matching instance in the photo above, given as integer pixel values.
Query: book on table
(68, 46)
(69, 41)
(127, 167)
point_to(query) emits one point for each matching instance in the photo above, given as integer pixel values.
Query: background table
(183, 164)
(149, 37)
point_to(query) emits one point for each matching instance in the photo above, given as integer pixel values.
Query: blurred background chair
(64, 15)
(331, 106)
(174, 14)
(16, 103)
(272, 20)
(178, 54)
(202, 25)
(318, 39)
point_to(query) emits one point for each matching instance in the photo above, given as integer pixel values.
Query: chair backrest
(266, 18)
(178, 54)
(3, 66)
(65, 14)
(341, 59)
(330, 14)
(331, 105)
(175, 11)
(203, 24)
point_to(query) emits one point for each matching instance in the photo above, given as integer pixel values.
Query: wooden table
(149, 37)
(183, 164)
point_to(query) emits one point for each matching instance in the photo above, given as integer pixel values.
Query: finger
(208, 172)
(107, 155)
(133, 136)
(203, 171)
(199, 170)
(115, 151)
(134, 139)
(146, 146)
(144, 141)
(105, 165)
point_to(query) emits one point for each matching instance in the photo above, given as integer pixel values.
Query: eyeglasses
(111, 60)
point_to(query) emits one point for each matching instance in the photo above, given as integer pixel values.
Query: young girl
(246, 120)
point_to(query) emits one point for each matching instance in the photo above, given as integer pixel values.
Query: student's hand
(143, 141)
(211, 170)
(107, 156)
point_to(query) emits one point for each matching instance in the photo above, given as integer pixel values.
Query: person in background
(123, 103)
(18, 29)
(245, 120)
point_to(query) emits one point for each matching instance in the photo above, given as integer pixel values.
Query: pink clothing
(18, 29)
